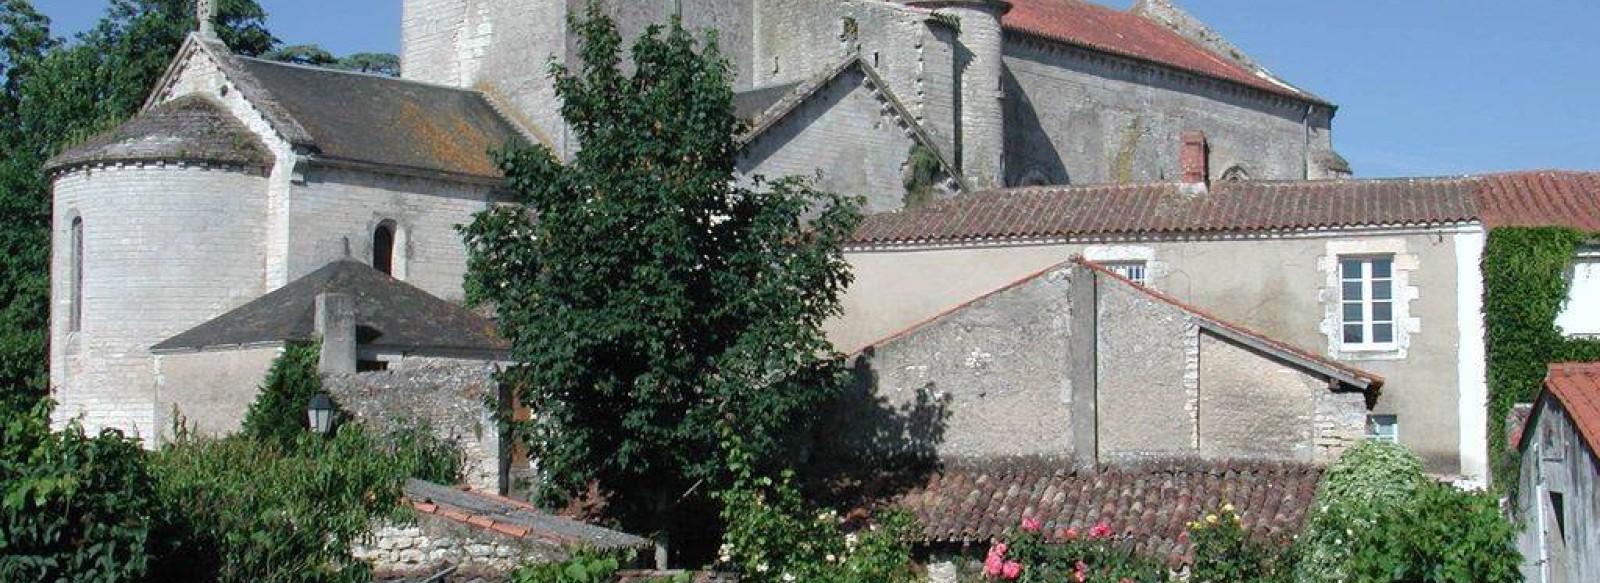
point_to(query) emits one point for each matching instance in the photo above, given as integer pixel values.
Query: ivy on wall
(1525, 285)
(921, 175)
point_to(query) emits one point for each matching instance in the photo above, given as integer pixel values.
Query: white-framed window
(1133, 270)
(1383, 428)
(1580, 315)
(1366, 302)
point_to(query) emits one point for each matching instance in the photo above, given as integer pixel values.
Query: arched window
(383, 248)
(75, 316)
(1235, 173)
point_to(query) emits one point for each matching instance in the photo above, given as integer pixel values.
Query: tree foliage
(278, 413)
(315, 55)
(57, 92)
(652, 299)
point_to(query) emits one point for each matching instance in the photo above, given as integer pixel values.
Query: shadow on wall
(1031, 160)
(869, 449)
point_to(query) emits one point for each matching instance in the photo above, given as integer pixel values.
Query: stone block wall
(849, 133)
(1075, 116)
(210, 390)
(166, 247)
(335, 210)
(449, 396)
(432, 543)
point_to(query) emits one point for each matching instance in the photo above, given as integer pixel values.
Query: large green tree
(57, 92)
(651, 300)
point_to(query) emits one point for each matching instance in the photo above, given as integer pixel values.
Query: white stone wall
(980, 139)
(434, 543)
(335, 208)
(166, 247)
(1082, 117)
(430, 31)
(209, 391)
(847, 132)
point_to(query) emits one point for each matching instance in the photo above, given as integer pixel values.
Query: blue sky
(1425, 87)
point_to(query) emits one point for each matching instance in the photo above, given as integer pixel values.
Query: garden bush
(1369, 480)
(1225, 553)
(73, 507)
(278, 412)
(1442, 535)
(1094, 556)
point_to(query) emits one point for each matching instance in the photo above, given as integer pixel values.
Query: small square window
(1383, 428)
(1133, 270)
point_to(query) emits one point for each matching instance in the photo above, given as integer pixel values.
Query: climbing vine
(922, 173)
(1524, 272)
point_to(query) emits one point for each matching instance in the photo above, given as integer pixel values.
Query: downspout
(1541, 494)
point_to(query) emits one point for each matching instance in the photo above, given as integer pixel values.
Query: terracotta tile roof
(1126, 34)
(513, 518)
(1282, 349)
(1150, 505)
(1577, 387)
(1162, 209)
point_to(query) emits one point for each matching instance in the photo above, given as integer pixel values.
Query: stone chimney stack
(336, 324)
(1193, 158)
(980, 115)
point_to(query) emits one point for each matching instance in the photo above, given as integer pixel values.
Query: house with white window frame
(1377, 274)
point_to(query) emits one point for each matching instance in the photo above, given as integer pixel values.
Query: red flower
(1031, 524)
(1100, 530)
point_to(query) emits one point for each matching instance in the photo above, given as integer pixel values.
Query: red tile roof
(1570, 199)
(1284, 349)
(1126, 34)
(1150, 505)
(512, 518)
(1577, 387)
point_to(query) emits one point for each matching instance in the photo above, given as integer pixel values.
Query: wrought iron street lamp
(320, 413)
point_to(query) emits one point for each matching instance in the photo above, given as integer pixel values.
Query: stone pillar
(336, 324)
(980, 114)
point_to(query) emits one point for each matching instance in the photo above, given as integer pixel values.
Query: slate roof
(514, 518)
(1151, 505)
(1163, 209)
(1577, 387)
(188, 129)
(390, 314)
(749, 105)
(358, 117)
(1126, 34)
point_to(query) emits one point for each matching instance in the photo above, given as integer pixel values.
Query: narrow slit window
(383, 248)
(75, 315)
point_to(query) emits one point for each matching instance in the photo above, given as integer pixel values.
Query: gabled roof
(515, 518)
(345, 116)
(1108, 30)
(1577, 387)
(1328, 367)
(1540, 198)
(192, 128)
(1345, 374)
(390, 314)
(976, 502)
(774, 106)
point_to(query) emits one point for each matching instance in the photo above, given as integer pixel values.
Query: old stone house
(1382, 275)
(1557, 503)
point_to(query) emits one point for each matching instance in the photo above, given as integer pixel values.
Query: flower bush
(1095, 556)
(1225, 553)
(772, 536)
(1370, 480)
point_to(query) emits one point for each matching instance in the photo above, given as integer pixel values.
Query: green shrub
(278, 413)
(771, 536)
(1369, 480)
(1442, 535)
(247, 510)
(1094, 556)
(1225, 553)
(73, 507)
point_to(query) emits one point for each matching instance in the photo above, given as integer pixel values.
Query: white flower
(761, 568)
(831, 558)
(788, 577)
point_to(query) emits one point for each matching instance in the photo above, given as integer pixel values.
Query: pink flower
(1072, 534)
(1031, 524)
(1080, 572)
(993, 565)
(998, 550)
(1100, 530)
(1011, 570)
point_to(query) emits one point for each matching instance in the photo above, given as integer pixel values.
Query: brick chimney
(1193, 158)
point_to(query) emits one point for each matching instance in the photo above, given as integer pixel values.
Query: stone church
(993, 141)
